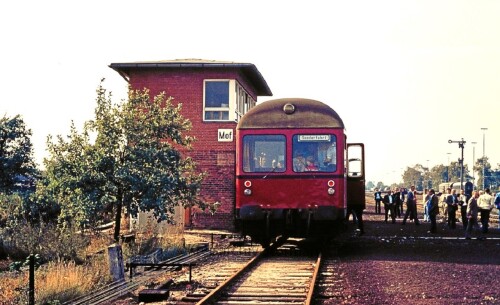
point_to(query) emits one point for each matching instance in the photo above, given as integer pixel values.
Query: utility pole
(473, 161)
(448, 168)
(484, 178)
(428, 176)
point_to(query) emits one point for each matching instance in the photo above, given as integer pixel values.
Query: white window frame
(231, 98)
(239, 101)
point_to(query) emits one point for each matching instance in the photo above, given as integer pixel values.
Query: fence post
(31, 291)
(115, 258)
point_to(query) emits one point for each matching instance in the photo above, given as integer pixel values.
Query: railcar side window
(314, 153)
(264, 153)
(355, 161)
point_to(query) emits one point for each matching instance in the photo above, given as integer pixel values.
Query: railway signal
(461, 145)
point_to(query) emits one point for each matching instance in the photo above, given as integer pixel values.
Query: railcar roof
(307, 114)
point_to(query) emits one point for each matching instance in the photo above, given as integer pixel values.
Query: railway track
(283, 276)
(119, 288)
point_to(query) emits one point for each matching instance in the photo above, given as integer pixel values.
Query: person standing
(349, 212)
(403, 192)
(389, 207)
(485, 205)
(462, 202)
(433, 209)
(471, 215)
(497, 205)
(426, 207)
(451, 201)
(444, 207)
(397, 203)
(378, 200)
(411, 206)
(356, 208)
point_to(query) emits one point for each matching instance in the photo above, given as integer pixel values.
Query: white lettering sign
(314, 138)
(225, 135)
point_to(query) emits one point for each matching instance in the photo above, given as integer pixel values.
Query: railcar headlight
(331, 191)
(247, 192)
(331, 183)
(289, 108)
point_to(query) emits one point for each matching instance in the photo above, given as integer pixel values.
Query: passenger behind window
(299, 164)
(310, 164)
(262, 159)
(277, 164)
(331, 158)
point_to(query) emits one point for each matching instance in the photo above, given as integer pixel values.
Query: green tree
(18, 169)
(380, 185)
(495, 179)
(438, 175)
(484, 170)
(454, 172)
(369, 185)
(135, 162)
(414, 176)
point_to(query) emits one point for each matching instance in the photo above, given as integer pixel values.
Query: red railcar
(294, 170)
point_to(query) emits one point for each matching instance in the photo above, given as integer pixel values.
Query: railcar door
(356, 174)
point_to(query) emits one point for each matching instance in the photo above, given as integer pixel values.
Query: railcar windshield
(314, 153)
(264, 153)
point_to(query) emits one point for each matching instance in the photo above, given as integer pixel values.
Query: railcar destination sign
(314, 138)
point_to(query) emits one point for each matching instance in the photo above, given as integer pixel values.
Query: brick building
(214, 95)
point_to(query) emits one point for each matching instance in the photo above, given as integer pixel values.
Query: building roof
(249, 70)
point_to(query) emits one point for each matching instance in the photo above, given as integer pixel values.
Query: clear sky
(405, 76)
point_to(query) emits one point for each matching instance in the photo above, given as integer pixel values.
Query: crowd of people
(474, 208)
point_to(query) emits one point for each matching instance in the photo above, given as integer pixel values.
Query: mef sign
(225, 135)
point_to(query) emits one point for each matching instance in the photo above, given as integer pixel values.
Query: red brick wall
(213, 157)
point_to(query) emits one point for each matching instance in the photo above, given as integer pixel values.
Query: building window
(225, 100)
(216, 100)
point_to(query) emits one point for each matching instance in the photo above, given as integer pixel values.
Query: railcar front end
(290, 170)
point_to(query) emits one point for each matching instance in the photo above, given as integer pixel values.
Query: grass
(60, 281)
(65, 281)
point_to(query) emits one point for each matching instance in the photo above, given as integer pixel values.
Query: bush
(51, 242)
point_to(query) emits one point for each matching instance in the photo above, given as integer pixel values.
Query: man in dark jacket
(378, 200)
(433, 208)
(411, 206)
(452, 202)
(398, 204)
(389, 206)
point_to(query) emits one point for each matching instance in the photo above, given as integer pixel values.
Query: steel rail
(312, 285)
(215, 295)
(116, 289)
(212, 295)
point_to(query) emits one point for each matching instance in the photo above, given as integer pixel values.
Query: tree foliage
(423, 177)
(369, 185)
(487, 176)
(414, 176)
(437, 175)
(17, 166)
(128, 156)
